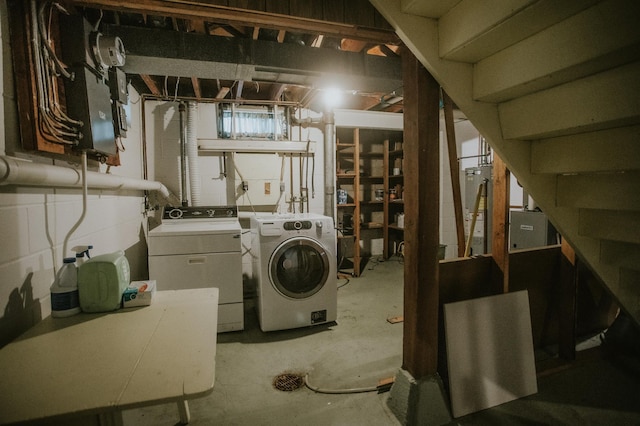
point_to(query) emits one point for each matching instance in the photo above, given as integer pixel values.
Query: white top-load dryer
(197, 247)
(295, 270)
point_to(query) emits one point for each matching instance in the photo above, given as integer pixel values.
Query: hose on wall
(84, 205)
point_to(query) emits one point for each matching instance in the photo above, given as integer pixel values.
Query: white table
(94, 366)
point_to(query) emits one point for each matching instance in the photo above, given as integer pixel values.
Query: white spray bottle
(64, 290)
(81, 252)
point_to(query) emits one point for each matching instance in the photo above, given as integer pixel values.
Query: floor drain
(288, 382)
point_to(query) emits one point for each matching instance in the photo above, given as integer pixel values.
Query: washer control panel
(297, 225)
(200, 212)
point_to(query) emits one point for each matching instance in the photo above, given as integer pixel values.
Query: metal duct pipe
(21, 172)
(183, 156)
(329, 164)
(327, 124)
(192, 153)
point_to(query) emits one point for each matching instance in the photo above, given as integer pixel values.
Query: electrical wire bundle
(54, 124)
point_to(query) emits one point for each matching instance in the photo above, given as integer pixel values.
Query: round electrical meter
(108, 51)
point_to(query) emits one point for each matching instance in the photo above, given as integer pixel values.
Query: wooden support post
(421, 194)
(454, 169)
(500, 237)
(568, 295)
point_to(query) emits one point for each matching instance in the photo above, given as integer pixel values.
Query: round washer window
(299, 267)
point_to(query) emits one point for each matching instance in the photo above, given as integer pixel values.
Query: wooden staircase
(554, 86)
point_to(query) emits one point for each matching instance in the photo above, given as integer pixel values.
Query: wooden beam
(421, 194)
(568, 300)
(222, 93)
(276, 91)
(454, 169)
(186, 9)
(352, 45)
(197, 25)
(195, 82)
(151, 84)
(500, 238)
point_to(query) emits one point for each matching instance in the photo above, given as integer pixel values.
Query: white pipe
(195, 181)
(329, 164)
(183, 156)
(84, 205)
(21, 172)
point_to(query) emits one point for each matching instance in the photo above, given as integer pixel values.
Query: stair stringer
(421, 36)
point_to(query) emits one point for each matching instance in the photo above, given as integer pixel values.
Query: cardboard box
(139, 293)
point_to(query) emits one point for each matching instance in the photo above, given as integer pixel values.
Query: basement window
(261, 122)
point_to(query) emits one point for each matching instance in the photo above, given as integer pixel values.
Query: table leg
(183, 409)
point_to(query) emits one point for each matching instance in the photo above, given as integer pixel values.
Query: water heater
(479, 180)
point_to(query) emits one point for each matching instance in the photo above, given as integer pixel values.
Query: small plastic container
(102, 281)
(64, 290)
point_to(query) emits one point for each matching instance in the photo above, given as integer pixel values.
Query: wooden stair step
(612, 225)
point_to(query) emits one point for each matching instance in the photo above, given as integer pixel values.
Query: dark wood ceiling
(299, 33)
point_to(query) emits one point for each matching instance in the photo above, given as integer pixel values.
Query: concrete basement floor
(361, 348)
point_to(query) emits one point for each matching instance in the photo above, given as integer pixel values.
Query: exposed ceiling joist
(195, 82)
(236, 16)
(151, 84)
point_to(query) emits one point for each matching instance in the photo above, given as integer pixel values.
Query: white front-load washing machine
(295, 270)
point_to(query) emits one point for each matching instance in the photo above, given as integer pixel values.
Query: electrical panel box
(530, 229)
(88, 95)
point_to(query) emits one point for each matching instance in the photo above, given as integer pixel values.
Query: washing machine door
(299, 267)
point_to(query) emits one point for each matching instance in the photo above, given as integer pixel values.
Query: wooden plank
(333, 10)
(573, 108)
(537, 271)
(356, 200)
(25, 81)
(610, 225)
(610, 191)
(195, 82)
(607, 150)
(472, 31)
(454, 169)
(270, 19)
(151, 84)
(500, 237)
(567, 51)
(360, 13)
(568, 302)
(422, 166)
(306, 8)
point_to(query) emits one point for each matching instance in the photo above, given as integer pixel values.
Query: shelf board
(396, 176)
(398, 201)
(371, 225)
(395, 227)
(396, 153)
(372, 202)
(346, 237)
(371, 178)
(372, 154)
(346, 205)
(346, 175)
